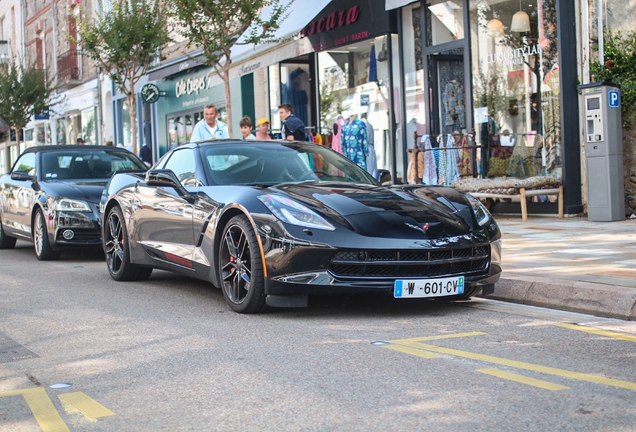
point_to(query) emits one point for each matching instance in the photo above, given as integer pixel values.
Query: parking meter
(604, 152)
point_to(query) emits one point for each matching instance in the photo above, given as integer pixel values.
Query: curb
(609, 301)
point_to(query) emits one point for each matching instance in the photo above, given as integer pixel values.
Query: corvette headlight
(479, 210)
(69, 205)
(294, 213)
(495, 252)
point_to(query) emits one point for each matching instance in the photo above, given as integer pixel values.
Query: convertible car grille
(422, 263)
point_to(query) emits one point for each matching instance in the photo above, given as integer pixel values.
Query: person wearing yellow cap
(262, 128)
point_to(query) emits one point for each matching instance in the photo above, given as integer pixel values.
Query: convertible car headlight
(70, 205)
(480, 211)
(294, 213)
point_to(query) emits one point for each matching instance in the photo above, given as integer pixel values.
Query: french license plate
(428, 287)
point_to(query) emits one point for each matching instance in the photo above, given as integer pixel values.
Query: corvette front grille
(472, 260)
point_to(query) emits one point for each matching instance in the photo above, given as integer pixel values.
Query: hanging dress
(441, 166)
(354, 142)
(336, 140)
(452, 171)
(465, 166)
(430, 167)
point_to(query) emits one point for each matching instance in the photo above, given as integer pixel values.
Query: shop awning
(177, 66)
(394, 4)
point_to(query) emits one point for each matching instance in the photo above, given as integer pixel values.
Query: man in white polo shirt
(209, 128)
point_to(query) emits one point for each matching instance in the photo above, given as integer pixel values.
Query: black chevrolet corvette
(51, 196)
(272, 223)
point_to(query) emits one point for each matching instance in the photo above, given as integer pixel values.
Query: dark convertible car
(51, 196)
(272, 223)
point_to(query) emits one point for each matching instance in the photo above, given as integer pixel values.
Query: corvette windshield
(273, 163)
(86, 164)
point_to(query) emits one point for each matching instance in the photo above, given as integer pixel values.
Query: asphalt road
(167, 354)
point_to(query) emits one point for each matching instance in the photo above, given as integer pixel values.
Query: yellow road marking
(599, 332)
(412, 351)
(42, 408)
(438, 337)
(86, 405)
(522, 379)
(522, 365)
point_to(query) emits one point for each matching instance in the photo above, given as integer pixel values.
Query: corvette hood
(393, 211)
(85, 190)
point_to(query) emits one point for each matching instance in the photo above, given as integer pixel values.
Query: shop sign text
(514, 56)
(190, 85)
(335, 19)
(245, 69)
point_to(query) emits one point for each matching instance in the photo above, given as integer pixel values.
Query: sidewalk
(570, 264)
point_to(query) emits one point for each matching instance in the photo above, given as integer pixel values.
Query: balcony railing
(68, 68)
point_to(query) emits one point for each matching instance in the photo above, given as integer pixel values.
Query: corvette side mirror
(383, 176)
(166, 178)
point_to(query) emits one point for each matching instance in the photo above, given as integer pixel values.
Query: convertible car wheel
(6, 242)
(117, 252)
(43, 249)
(241, 267)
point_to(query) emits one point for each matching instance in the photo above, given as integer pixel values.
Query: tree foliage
(24, 92)
(619, 67)
(124, 41)
(217, 25)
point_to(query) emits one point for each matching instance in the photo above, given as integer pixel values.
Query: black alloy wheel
(43, 249)
(241, 267)
(6, 242)
(117, 251)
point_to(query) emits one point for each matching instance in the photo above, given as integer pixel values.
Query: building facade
(11, 49)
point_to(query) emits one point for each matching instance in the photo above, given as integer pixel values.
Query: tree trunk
(132, 110)
(228, 97)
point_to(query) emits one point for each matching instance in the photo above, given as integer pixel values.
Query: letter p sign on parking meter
(614, 98)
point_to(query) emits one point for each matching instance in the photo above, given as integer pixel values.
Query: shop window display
(516, 88)
(354, 101)
(89, 126)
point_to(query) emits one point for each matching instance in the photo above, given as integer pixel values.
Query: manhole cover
(11, 351)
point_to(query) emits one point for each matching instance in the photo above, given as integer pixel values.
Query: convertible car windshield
(82, 164)
(272, 163)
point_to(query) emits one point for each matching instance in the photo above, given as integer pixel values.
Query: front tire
(43, 249)
(241, 267)
(5, 241)
(117, 250)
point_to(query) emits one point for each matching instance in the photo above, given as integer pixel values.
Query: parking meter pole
(604, 152)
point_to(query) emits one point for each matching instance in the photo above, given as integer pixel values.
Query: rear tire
(43, 249)
(117, 250)
(5, 241)
(241, 267)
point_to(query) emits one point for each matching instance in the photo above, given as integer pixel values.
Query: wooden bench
(522, 195)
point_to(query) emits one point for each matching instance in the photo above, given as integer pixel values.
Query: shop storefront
(183, 97)
(347, 77)
(489, 74)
